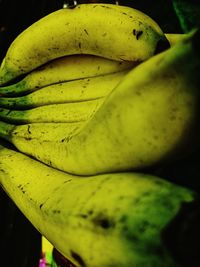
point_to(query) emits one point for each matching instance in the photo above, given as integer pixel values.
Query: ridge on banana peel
(149, 118)
(68, 68)
(111, 31)
(93, 224)
(66, 92)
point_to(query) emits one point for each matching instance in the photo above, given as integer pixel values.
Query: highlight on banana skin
(89, 121)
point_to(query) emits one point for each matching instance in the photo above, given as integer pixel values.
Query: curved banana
(83, 216)
(64, 69)
(150, 117)
(42, 131)
(67, 112)
(174, 38)
(66, 92)
(111, 31)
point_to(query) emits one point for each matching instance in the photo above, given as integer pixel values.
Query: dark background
(20, 243)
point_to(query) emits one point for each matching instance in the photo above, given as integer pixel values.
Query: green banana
(150, 117)
(107, 30)
(89, 221)
(64, 69)
(66, 92)
(67, 112)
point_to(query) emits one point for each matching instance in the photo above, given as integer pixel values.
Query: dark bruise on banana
(137, 33)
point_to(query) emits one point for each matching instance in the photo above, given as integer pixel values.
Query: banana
(174, 38)
(65, 69)
(111, 31)
(67, 112)
(83, 216)
(149, 118)
(43, 132)
(66, 92)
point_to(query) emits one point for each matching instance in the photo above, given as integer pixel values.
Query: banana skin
(88, 220)
(115, 32)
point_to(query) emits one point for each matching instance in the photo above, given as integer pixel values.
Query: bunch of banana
(70, 101)
(66, 112)
(84, 92)
(95, 225)
(66, 92)
(85, 29)
(69, 87)
(165, 88)
(68, 68)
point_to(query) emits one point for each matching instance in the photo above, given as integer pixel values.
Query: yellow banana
(42, 132)
(111, 31)
(64, 69)
(92, 223)
(67, 112)
(150, 117)
(66, 92)
(174, 38)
